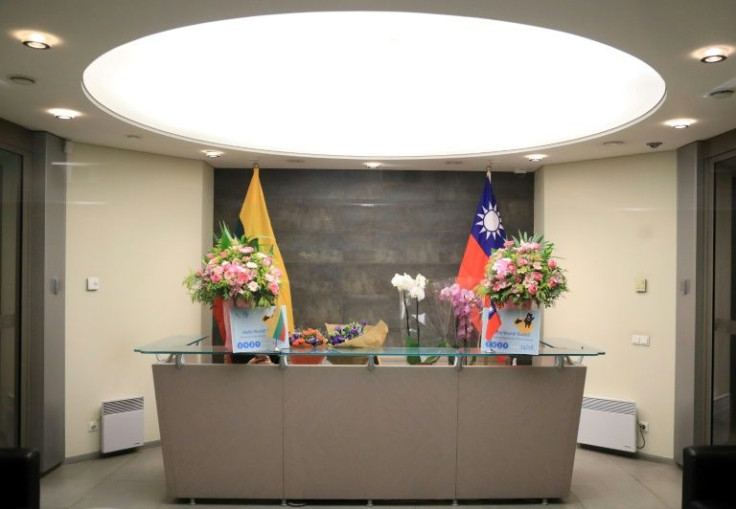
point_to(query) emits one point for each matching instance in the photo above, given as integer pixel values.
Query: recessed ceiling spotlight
(373, 165)
(36, 44)
(520, 171)
(22, 80)
(295, 161)
(613, 143)
(714, 55)
(64, 114)
(680, 123)
(535, 158)
(133, 136)
(453, 162)
(35, 40)
(212, 153)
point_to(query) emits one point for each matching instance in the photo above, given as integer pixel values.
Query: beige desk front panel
(352, 433)
(221, 430)
(517, 431)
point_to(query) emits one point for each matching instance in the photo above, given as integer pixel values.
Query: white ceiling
(662, 33)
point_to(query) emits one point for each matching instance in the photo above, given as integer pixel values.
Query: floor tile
(601, 480)
(125, 495)
(148, 465)
(96, 469)
(63, 493)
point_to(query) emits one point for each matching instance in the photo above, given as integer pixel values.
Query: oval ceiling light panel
(378, 85)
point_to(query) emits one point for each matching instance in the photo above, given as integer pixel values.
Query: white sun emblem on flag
(490, 221)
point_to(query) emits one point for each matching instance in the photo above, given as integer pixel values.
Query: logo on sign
(497, 345)
(525, 325)
(249, 344)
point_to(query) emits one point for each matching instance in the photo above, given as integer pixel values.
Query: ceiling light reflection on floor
(386, 85)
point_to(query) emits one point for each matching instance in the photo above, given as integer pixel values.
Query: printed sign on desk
(249, 329)
(518, 333)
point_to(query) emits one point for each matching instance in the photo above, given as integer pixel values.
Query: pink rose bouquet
(235, 269)
(523, 272)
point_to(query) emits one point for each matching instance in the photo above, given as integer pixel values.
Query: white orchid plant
(410, 288)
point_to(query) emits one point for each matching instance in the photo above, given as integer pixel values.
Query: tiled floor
(136, 481)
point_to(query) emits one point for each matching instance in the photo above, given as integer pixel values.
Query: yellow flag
(256, 223)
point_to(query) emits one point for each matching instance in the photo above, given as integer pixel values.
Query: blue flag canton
(487, 226)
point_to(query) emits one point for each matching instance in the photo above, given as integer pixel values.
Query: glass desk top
(184, 345)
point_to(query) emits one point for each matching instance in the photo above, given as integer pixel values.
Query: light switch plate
(640, 285)
(93, 284)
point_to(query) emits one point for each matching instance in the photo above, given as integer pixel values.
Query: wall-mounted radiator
(122, 424)
(609, 423)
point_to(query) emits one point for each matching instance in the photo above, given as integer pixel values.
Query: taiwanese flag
(486, 234)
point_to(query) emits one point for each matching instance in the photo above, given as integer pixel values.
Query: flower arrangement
(463, 303)
(412, 288)
(523, 272)
(342, 333)
(310, 336)
(235, 269)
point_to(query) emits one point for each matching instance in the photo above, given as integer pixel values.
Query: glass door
(724, 306)
(10, 244)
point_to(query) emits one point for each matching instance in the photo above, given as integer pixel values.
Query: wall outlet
(640, 339)
(644, 426)
(93, 426)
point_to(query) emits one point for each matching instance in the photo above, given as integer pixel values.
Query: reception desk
(448, 431)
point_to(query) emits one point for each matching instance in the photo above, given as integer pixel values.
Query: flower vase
(246, 328)
(306, 359)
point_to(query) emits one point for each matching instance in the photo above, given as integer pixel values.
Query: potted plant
(247, 281)
(520, 278)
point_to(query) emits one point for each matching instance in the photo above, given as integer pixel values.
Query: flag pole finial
(488, 172)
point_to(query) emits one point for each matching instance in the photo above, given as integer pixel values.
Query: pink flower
(537, 276)
(533, 289)
(274, 288)
(508, 243)
(552, 264)
(523, 261)
(552, 283)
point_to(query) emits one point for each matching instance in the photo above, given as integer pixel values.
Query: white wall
(614, 220)
(139, 222)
